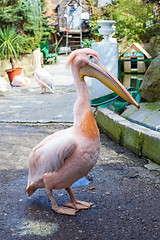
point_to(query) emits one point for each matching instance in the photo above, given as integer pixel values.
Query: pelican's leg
(76, 204)
(56, 208)
(43, 90)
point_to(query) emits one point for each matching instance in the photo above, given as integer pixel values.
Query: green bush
(87, 42)
(10, 43)
(136, 20)
(27, 16)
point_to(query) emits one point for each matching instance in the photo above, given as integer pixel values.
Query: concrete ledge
(138, 139)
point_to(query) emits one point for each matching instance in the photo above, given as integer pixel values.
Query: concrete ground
(27, 104)
(125, 191)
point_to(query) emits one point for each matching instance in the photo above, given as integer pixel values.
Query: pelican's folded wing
(43, 77)
(49, 155)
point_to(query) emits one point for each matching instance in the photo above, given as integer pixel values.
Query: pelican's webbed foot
(57, 209)
(76, 204)
(65, 210)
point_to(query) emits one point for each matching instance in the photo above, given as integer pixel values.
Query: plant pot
(13, 72)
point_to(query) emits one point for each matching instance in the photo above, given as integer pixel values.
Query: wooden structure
(134, 59)
(73, 21)
(71, 14)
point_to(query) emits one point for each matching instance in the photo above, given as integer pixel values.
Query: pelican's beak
(98, 71)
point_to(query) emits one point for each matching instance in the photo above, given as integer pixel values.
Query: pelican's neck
(81, 87)
(83, 116)
(38, 60)
(82, 104)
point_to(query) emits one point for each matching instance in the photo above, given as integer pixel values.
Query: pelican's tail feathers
(30, 190)
(51, 87)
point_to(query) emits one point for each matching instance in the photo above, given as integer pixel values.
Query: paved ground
(27, 104)
(126, 194)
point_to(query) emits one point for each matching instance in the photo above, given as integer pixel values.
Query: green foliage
(87, 42)
(95, 15)
(136, 20)
(94, 30)
(27, 16)
(46, 29)
(10, 43)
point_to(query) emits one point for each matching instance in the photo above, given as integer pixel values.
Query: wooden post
(81, 37)
(67, 41)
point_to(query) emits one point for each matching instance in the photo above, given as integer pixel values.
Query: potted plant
(10, 45)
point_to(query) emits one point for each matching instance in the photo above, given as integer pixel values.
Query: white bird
(4, 86)
(44, 79)
(21, 81)
(62, 158)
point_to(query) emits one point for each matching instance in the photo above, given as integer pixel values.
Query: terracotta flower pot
(13, 72)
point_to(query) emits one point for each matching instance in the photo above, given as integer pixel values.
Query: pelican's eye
(92, 58)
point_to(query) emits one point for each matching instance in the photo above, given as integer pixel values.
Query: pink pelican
(44, 79)
(21, 81)
(68, 155)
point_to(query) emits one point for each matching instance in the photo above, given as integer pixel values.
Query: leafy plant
(87, 42)
(94, 30)
(136, 20)
(28, 17)
(10, 44)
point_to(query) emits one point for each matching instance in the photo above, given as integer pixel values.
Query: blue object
(81, 182)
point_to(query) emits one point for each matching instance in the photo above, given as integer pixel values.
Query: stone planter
(108, 53)
(107, 29)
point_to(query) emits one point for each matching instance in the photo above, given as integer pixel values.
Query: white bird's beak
(99, 72)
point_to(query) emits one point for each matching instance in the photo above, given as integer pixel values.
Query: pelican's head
(88, 63)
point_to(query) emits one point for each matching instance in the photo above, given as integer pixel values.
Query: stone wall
(141, 140)
(153, 47)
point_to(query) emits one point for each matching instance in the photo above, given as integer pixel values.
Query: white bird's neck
(81, 87)
(82, 104)
(38, 60)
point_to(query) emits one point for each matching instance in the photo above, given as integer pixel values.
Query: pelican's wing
(19, 81)
(44, 78)
(50, 154)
